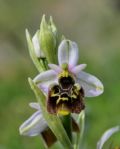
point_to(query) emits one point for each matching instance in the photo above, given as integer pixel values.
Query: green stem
(79, 136)
(67, 123)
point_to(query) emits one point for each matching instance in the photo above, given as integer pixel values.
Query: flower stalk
(67, 123)
(79, 136)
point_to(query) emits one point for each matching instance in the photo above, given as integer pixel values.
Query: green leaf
(35, 60)
(53, 121)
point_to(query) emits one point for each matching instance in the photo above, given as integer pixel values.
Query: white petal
(73, 54)
(45, 76)
(63, 52)
(34, 125)
(45, 79)
(55, 67)
(106, 136)
(91, 85)
(68, 53)
(77, 69)
(36, 44)
(35, 105)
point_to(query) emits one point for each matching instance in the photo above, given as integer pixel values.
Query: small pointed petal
(77, 69)
(53, 27)
(106, 136)
(34, 125)
(45, 76)
(91, 85)
(54, 67)
(68, 53)
(35, 105)
(45, 85)
(36, 44)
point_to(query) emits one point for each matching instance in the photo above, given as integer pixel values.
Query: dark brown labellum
(66, 97)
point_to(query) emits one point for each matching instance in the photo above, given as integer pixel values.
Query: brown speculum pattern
(65, 97)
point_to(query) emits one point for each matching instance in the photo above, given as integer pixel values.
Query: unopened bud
(36, 44)
(48, 40)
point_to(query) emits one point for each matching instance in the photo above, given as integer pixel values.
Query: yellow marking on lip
(63, 110)
(73, 96)
(77, 86)
(53, 95)
(63, 99)
(76, 91)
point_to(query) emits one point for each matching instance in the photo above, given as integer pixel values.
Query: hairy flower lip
(66, 101)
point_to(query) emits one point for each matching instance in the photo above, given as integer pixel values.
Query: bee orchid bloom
(67, 84)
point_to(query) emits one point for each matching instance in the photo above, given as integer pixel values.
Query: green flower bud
(48, 41)
(53, 27)
(35, 52)
(36, 44)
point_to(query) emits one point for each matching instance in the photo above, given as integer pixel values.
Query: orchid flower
(65, 85)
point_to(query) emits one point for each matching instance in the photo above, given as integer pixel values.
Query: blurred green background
(95, 26)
